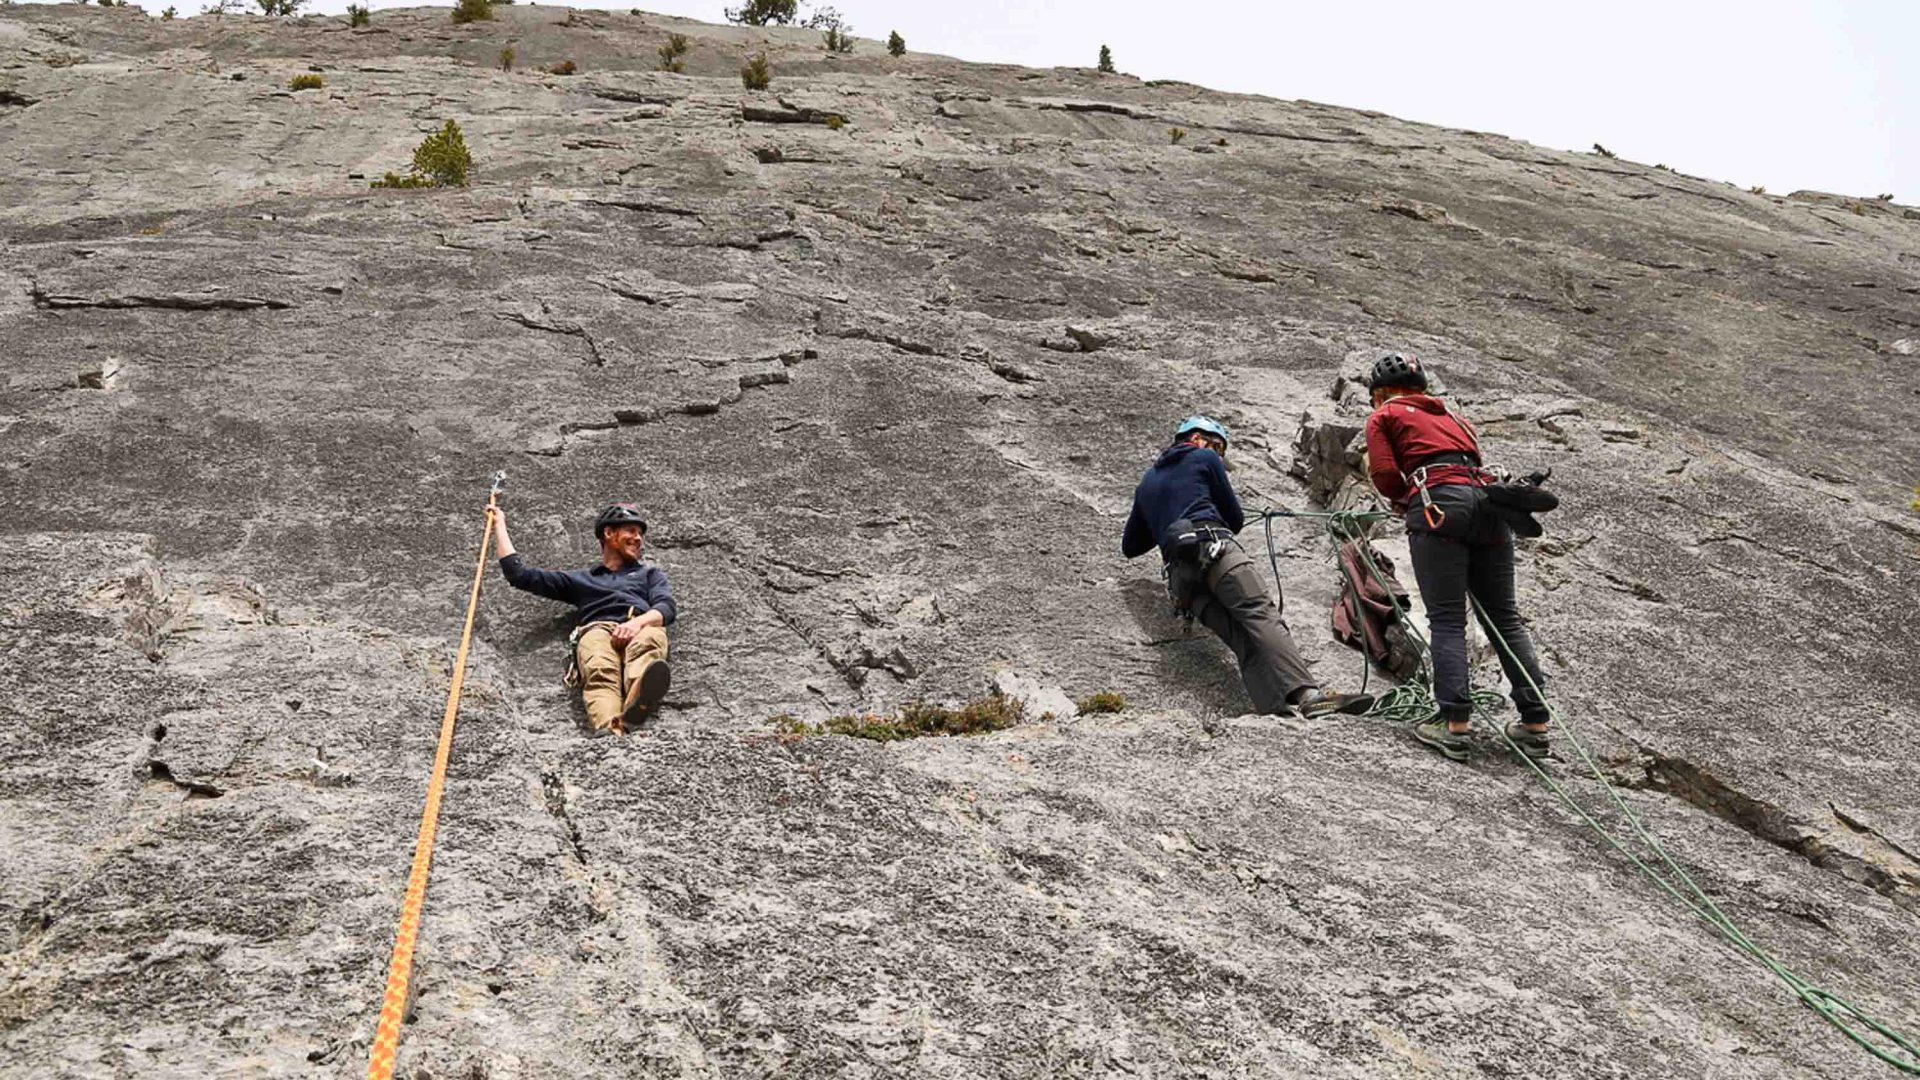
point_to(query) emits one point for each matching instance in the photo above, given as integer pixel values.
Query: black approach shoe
(1531, 743)
(1315, 703)
(1435, 733)
(645, 693)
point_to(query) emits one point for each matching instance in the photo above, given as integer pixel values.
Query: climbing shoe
(645, 692)
(1315, 703)
(1531, 743)
(1434, 733)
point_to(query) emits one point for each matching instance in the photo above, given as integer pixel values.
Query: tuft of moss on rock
(1106, 701)
(915, 720)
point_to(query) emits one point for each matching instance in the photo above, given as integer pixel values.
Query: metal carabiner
(1435, 516)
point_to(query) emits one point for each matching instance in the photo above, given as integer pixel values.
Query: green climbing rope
(1412, 701)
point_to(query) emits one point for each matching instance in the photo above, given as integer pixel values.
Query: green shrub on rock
(441, 160)
(836, 34)
(444, 157)
(1106, 60)
(756, 74)
(306, 82)
(1105, 701)
(466, 11)
(358, 14)
(896, 45)
(673, 52)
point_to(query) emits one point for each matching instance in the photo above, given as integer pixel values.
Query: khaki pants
(605, 673)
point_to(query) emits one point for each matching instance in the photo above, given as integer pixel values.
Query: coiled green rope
(1412, 702)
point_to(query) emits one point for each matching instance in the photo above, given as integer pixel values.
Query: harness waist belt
(1450, 457)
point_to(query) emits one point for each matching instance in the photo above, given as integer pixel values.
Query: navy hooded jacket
(1186, 482)
(597, 593)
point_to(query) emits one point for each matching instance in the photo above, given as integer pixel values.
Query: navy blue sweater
(1187, 482)
(598, 594)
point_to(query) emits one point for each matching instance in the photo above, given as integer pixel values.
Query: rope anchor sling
(393, 1006)
(1412, 700)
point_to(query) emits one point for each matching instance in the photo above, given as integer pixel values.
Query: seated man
(1185, 505)
(623, 607)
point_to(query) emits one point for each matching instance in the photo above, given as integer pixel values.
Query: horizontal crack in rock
(861, 333)
(169, 301)
(1853, 850)
(645, 206)
(787, 114)
(195, 790)
(564, 329)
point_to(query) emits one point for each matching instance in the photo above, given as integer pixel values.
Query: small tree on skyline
(765, 12)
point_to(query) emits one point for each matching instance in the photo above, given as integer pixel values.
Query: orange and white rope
(393, 1009)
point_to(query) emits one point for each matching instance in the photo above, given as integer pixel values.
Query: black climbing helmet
(618, 514)
(1397, 369)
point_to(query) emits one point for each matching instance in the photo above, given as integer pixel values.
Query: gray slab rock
(885, 392)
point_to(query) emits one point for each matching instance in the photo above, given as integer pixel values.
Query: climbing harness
(1192, 549)
(393, 1008)
(1412, 701)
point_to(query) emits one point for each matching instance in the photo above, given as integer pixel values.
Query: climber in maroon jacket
(1426, 461)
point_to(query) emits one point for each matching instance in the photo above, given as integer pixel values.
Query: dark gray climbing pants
(1471, 555)
(1235, 605)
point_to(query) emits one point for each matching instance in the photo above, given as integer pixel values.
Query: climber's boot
(1437, 734)
(1314, 703)
(645, 692)
(1531, 743)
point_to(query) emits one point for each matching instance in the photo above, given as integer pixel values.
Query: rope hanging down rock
(393, 1008)
(1412, 701)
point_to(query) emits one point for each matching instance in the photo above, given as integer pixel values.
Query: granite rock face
(885, 387)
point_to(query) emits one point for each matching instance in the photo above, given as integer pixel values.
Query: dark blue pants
(1471, 555)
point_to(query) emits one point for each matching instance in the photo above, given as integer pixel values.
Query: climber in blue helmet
(1186, 507)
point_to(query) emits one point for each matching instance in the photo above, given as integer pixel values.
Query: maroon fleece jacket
(1404, 433)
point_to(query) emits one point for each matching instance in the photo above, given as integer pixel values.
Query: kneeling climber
(1426, 461)
(1185, 505)
(622, 609)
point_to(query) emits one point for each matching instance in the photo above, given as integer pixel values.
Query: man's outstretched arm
(547, 583)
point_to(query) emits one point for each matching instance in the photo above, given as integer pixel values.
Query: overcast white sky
(1816, 94)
